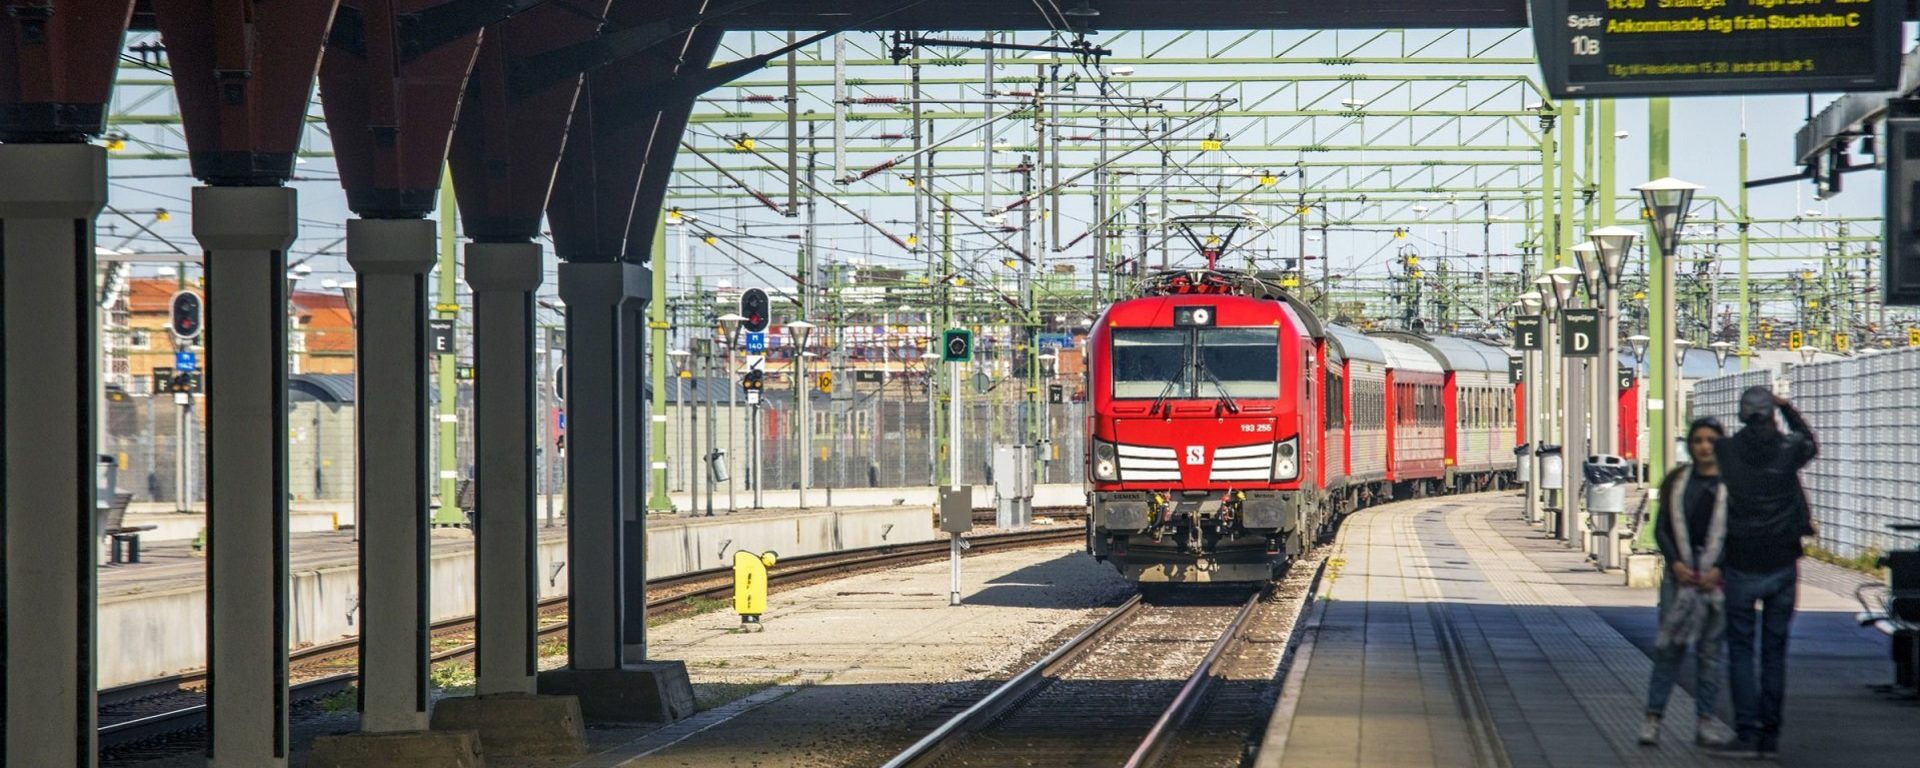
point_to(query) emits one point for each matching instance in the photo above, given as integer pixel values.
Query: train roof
(1407, 357)
(1459, 354)
(1354, 345)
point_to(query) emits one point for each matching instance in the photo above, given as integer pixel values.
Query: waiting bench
(125, 539)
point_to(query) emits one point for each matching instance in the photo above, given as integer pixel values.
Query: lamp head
(1544, 286)
(1807, 352)
(1667, 199)
(1530, 302)
(1638, 344)
(1563, 280)
(1680, 347)
(1614, 244)
(1720, 351)
(1587, 255)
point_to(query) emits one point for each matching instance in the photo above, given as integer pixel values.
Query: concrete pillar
(503, 277)
(599, 296)
(608, 668)
(509, 718)
(246, 232)
(391, 259)
(48, 326)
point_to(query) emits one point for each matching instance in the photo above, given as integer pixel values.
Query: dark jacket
(1767, 510)
(1696, 501)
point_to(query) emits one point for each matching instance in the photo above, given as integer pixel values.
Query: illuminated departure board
(1594, 48)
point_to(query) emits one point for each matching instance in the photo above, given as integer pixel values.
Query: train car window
(1146, 360)
(1335, 415)
(1243, 361)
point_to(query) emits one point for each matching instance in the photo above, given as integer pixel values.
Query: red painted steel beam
(507, 144)
(57, 62)
(612, 137)
(664, 148)
(243, 72)
(389, 109)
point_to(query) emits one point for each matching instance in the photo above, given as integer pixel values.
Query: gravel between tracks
(876, 653)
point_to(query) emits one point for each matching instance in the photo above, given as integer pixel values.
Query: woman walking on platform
(1691, 530)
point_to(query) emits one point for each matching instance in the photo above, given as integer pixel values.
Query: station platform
(1452, 633)
(152, 614)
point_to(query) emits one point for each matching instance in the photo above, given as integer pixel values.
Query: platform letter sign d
(1526, 332)
(1580, 332)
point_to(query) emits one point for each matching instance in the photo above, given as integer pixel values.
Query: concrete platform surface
(1452, 633)
(152, 615)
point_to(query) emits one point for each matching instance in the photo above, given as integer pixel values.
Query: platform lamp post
(927, 360)
(1572, 427)
(1049, 363)
(1612, 244)
(730, 334)
(1529, 304)
(1586, 256)
(679, 357)
(1544, 375)
(1666, 201)
(803, 422)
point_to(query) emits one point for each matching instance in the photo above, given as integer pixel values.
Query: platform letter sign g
(1196, 454)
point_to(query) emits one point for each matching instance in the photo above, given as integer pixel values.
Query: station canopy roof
(1067, 15)
(1070, 15)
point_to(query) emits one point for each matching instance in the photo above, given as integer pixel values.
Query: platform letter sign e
(1526, 332)
(1580, 332)
(440, 336)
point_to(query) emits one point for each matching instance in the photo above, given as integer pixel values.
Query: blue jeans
(1757, 702)
(1667, 661)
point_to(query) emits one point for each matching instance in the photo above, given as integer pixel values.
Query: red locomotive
(1229, 427)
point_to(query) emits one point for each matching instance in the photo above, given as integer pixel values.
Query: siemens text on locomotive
(1229, 426)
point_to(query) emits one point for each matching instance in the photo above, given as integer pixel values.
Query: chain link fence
(872, 438)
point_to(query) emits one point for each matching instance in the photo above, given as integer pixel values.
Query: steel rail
(193, 716)
(1009, 695)
(1155, 745)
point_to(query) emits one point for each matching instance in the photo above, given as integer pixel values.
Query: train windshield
(1154, 362)
(1147, 362)
(1244, 362)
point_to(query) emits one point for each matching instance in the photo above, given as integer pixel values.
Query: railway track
(1118, 693)
(142, 712)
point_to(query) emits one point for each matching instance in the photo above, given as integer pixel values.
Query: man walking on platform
(1767, 514)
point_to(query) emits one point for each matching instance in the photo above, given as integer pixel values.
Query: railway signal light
(186, 311)
(956, 345)
(757, 309)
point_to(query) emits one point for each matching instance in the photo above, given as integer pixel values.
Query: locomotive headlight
(1106, 464)
(1286, 462)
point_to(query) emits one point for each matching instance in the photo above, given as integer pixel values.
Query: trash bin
(1523, 463)
(1607, 478)
(1550, 466)
(1606, 495)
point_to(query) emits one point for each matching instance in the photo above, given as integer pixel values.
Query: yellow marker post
(750, 584)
